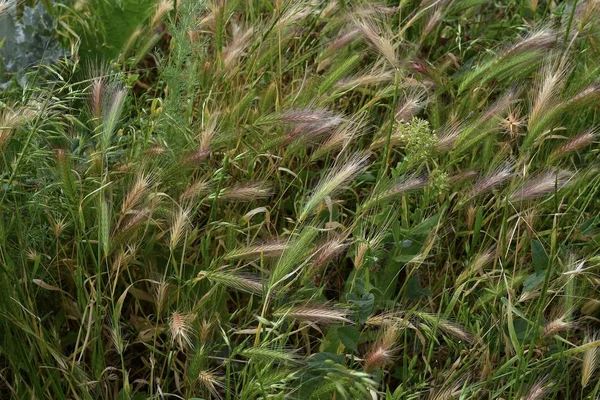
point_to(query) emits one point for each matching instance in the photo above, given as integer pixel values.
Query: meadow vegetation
(247, 199)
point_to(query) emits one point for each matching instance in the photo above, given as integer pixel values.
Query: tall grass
(312, 200)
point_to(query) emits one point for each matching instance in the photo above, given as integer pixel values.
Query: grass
(310, 200)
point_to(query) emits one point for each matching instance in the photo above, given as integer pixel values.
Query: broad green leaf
(414, 290)
(534, 280)
(538, 255)
(349, 336)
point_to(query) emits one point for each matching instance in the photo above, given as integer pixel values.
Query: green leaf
(587, 228)
(112, 27)
(124, 394)
(349, 336)
(404, 258)
(534, 280)
(414, 290)
(364, 304)
(424, 227)
(477, 227)
(361, 298)
(538, 256)
(317, 360)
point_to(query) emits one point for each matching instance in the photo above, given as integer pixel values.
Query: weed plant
(309, 200)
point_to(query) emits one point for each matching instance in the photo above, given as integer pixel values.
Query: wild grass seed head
(180, 223)
(180, 330)
(383, 350)
(243, 282)
(591, 357)
(412, 102)
(342, 173)
(377, 39)
(542, 184)
(576, 143)
(198, 188)
(538, 390)
(491, 181)
(211, 382)
(235, 50)
(400, 186)
(162, 8)
(245, 192)
(268, 249)
(315, 314)
(137, 192)
(548, 87)
(329, 250)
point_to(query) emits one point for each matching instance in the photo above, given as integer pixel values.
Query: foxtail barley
(337, 44)
(401, 186)
(576, 143)
(462, 176)
(538, 391)
(591, 357)
(10, 120)
(113, 101)
(96, 94)
(541, 185)
(198, 188)
(448, 136)
(329, 250)
(558, 325)
(542, 38)
(137, 193)
(476, 265)
(491, 181)
(315, 314)
(180, 222)
(551, 82)
(6, 6)
(343, 40)
(211, 382)
(245, 283)
(181, 330)
(234, 51)
(162, 8)
(269, 355)
(413, 102)
(333, 181)
(448, 391)
(383, 45)
(434, 19)
(247, 192)
(299, 252)
(340, 138)
(382, 352)
(268, 249)
(133, 220)
(446, 326)
(159, 293)
(366, 80)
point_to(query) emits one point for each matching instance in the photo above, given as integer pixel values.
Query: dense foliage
(303, 199)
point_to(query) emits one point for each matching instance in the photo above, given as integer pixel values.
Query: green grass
(308, 200)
